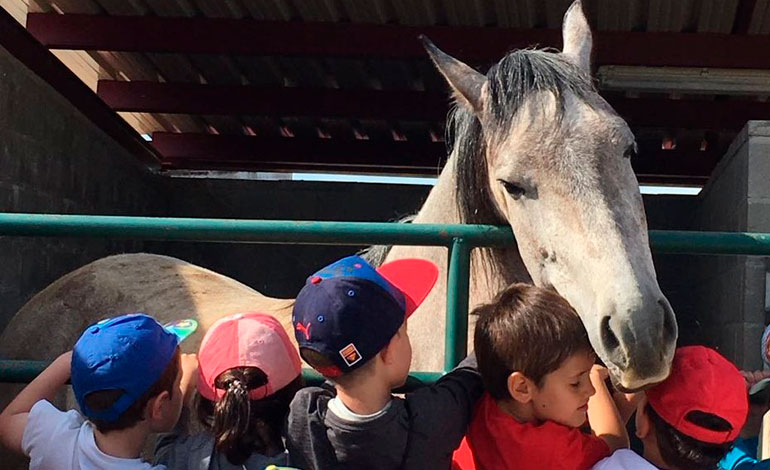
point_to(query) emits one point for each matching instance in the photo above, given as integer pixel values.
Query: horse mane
(517, 76)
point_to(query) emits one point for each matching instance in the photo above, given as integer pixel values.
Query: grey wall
(727, 293)
(54, 160)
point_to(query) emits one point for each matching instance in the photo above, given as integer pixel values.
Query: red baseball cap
(701, 380)
(247, 340)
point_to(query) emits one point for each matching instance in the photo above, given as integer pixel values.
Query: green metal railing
(459, 239)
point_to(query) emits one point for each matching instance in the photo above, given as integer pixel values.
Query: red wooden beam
(474, 44)
(45, 65)
(689, 113)
(205, 151)
(270, 153)
(183, 98)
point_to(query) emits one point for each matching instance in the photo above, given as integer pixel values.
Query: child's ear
(386, 354)
(157, 406)
(520, 387)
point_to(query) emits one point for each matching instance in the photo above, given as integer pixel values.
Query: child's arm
(189, 377)
(446, 407)
(13, 420)
(603, 416)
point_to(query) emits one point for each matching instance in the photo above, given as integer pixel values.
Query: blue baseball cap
(348, 311)
(127, 353)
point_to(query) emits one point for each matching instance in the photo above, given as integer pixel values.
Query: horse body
(165, 287)
(534, 147)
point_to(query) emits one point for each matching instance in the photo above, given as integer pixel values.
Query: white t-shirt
(58, 440)
(624, 459)
(338, 408)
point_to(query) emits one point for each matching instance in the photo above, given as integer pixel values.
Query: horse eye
(513, 189)
(631, 151)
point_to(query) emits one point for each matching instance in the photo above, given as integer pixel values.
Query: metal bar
(346, 233)
(710, 243)
(24, 371)
(458, 277)
(252, 231)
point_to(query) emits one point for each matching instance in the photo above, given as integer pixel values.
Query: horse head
(547, 155)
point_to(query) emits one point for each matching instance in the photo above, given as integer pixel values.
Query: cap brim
(181, 328)
(759, 386)
(414, 277)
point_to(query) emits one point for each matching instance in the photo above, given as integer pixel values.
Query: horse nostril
(670, 329)
(609, 339)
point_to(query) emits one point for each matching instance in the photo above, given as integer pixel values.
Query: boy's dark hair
(685, 453)
(104, 399)
(526, 329)
(242, 426)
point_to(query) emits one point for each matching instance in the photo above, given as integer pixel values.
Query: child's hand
(189, 363)
(599, 373)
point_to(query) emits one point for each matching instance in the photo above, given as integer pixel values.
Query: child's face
(563, 396)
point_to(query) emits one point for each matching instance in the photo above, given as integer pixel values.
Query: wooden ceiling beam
(227, 152)
(45, 65)
(184, 98)
(478, 45)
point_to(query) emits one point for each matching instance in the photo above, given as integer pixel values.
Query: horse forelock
(527, 74)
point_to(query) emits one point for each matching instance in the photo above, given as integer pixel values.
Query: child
(743, 454)
(248, 373)
(690, 420)
(538, 370)
(126, 375)
(350, 322)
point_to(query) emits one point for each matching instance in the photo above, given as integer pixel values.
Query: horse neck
(441, 205)
(441, 208)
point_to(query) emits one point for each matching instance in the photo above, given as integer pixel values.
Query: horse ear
(465, 82)
(577, 36)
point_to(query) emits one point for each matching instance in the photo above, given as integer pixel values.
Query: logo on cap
(350, 354)
(305, 329)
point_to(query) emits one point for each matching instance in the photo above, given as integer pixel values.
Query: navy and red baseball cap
(701, 380)
(348, 311)
(127, 353)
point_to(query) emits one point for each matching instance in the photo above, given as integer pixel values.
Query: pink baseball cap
(247, 340)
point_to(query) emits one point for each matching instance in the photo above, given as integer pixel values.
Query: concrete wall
(54, 160)
(727, 293)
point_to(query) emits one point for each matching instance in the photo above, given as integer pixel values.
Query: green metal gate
(459, 240)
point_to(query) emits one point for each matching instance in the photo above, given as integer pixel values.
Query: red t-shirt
(496, 441)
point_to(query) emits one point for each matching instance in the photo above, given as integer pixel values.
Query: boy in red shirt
(538, 369)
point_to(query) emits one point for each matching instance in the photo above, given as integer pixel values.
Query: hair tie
(237, 387)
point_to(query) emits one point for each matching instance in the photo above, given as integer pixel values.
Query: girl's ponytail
(242, 426)
(231, 420)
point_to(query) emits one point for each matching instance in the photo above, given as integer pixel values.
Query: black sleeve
(306, 438)
(441, 413)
